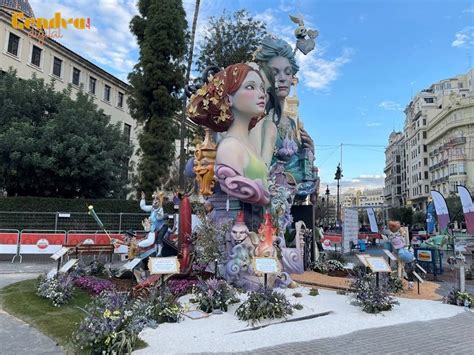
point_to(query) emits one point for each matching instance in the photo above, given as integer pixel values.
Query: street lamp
(338, 177)
(327, 206)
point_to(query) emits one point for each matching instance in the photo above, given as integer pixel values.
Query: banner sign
(350, 230)
(467, 208)
(41, 242)
(372, 220)
(430, 217)
(441, 210)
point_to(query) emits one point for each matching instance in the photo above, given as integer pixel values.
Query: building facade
(437, 143)
(50, 60)
(393, 170)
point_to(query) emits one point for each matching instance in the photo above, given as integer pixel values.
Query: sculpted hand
(143, 194)
(306, 140)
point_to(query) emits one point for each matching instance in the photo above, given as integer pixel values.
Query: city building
(451, 138)
(24, 50)
(393, 170)
(363, 198)
(436, 146)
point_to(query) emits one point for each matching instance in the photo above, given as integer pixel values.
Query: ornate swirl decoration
(245, 189)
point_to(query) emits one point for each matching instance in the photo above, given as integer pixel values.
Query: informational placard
(422, 270)
(132, 263)
(362, 260)
(168, 265)
(418, 277)
(350, 230)
(64, 215)
(66, 267)
(196, 314)
(378, 264)
(59, 253)
(424, 255)
(266, 265)
(390, 255)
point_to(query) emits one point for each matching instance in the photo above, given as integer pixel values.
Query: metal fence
(70, 221)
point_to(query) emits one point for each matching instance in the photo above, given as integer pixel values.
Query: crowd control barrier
(40, 242)
(9, 239)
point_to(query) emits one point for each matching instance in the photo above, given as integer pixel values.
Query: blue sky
(371, 57)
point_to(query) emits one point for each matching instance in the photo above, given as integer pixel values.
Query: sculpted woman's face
(283, 75)
(249, 99)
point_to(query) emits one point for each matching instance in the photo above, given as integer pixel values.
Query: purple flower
(93, 284)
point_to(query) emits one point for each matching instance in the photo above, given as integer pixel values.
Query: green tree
(230, 39)
(402, 214)
(52, 145)
(157, 81)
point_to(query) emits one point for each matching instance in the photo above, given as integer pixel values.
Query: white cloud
(109, 42)
(373, 124)
(464, 38)
(390, 105)
(362, 182)
(318, 72)
(469, 9)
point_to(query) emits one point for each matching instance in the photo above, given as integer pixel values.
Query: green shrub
(314, 292)
(297, 294)
(112, 324)
(264, 304)
(297, 306)
(367, 295)
(459, 298)
(214, 294)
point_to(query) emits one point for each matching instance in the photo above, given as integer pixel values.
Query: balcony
(439, 165)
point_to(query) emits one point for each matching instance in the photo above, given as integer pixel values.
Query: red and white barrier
(41, 242)
(9, 241)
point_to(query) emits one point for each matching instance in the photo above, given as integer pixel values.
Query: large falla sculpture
(263, 162)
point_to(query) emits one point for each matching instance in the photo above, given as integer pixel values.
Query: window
(92, 82)
(460, 85)
(127, 130)
(424, 134)
(36, 56)
(429, 100)
(57, 64)
(425, 161)
(13, 44)
(76, 76)
(426, 175)
(424, 121)
(120, 99)
(106, 93)
(425, 148)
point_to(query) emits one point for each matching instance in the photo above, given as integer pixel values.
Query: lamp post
(338, 177)
(327, 206)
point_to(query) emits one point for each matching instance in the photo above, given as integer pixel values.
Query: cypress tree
(157, 81)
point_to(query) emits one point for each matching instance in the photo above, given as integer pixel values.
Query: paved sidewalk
(16, 336)
(453, 335)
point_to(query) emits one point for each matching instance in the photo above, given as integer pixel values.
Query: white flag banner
(467, 208)
(372, 220)
(441, 209)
